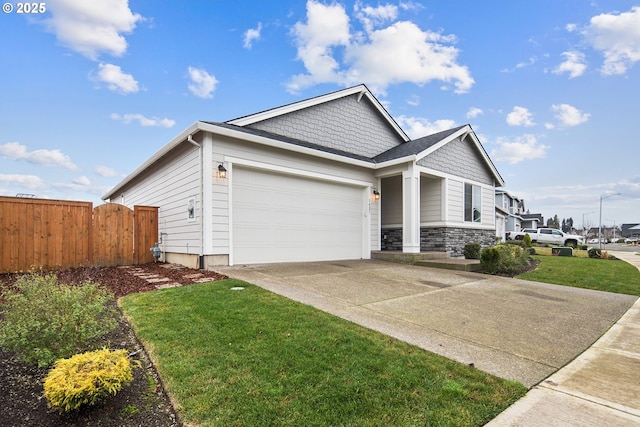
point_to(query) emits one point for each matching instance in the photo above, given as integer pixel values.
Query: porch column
(411, 210)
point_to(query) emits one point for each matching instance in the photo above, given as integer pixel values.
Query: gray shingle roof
(405, 149)
(270, 135)
(414, 146)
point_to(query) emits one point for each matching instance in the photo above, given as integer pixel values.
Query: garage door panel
(280, 218)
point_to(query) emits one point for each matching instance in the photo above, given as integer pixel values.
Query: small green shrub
(489, 259)
(87, 378)
(472, 250)
(45, 321)
(584, 247)
(508, 259)
(594, 253)
(519, 243)
(527, 240)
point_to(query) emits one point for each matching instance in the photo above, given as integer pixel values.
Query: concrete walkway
(514, 329)
(601, 387)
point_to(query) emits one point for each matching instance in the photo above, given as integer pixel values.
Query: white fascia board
(218, 130)
(154, 158)
(435, 147)
(464, 132)
(446, 175)
(296, 106)
(485, 156)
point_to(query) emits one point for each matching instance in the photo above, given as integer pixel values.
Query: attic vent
(360, 95)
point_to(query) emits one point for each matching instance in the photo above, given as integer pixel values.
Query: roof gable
(351, 120)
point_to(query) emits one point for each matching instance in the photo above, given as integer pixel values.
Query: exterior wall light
(222, 172)
(375, 195)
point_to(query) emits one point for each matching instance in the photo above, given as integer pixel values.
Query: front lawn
(590, 273)
(250, 357)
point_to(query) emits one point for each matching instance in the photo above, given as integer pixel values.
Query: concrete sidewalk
(601, 387)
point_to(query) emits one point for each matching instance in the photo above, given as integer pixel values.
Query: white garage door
(284, 218)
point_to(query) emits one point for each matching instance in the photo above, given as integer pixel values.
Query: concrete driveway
(511, 328)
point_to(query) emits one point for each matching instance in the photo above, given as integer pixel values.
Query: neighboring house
(328, 178)
(630, 230)
(516, 218)
(530, 220)
(514, 208)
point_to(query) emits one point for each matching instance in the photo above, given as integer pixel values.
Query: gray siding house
(327, 178)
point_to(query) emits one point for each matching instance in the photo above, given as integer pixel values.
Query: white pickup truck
(547, 235)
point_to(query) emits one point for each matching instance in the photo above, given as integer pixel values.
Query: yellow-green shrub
(86, 378)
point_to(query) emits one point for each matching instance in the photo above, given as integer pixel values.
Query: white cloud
(105, 171)
(525, 147)
(17, 151)
(617, 36)
(523, 64)
(375, 16)
(251, 35)
(400, 52)
(202, 83)
(474, 112)
(326, 27)
(417, 127)
(414, 100)
(116, 80)
(143, 121)
(520, 116)
(571, 27)
(31, 182)
(82, 180)
(574, 64)
(92, 27)
(569, 115)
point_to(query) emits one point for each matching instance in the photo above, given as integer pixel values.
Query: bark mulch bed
(143, 403)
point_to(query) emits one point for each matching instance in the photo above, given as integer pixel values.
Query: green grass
(250, 357)
(589, 273)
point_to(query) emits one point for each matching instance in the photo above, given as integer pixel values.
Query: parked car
(631, 240)
(547, 235)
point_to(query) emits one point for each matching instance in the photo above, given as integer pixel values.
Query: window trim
(475, 205)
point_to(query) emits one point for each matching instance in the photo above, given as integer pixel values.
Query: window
(472, 203)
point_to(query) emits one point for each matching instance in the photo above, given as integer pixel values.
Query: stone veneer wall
(440, 239)
(391, 239)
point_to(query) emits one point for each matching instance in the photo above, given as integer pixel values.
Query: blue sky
(92, 89)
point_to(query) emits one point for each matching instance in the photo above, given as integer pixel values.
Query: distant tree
(553, 222)
(567, 225)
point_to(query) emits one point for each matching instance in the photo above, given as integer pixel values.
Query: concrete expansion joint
(557, 388)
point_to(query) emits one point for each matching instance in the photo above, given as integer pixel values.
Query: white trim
(445, 175)
(297, 172)
(366, 191)
(207, 194)
(442, 143)
(230, 209)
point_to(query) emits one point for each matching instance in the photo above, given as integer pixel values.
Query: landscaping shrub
(594, 253)
(489, 259)
(45, 321)
(527, 240)
(505, 259)
(472, 250)
(86, 378)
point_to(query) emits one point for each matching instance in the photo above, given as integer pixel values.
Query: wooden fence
(58, 234)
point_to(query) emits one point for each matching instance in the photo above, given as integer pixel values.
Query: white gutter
(262, 140)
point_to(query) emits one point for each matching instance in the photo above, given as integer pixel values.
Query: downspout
(200, 158)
